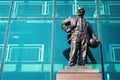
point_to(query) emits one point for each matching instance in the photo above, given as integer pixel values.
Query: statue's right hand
(68, 30)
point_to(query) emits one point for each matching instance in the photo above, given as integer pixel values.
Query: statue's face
(80, 11)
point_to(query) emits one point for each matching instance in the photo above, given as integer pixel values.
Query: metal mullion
(52, 40)
(99, 36)
(6, 38)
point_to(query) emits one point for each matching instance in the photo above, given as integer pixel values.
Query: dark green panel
(4, 8)
(2, 34)
(110, 30)
(28, 50)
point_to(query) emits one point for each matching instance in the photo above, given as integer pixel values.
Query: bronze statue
(80, 37)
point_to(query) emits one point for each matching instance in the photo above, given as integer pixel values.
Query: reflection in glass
(32, 9)
(68, 8)
(110, 8)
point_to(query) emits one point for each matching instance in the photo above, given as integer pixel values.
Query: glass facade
(34, 47)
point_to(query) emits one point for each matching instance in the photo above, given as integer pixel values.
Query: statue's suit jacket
(69, 25)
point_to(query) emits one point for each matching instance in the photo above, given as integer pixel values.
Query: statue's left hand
(98, 41)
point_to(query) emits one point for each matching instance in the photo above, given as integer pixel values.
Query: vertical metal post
(6, 39)
(102, 62)
(99, 36)
(52, 40)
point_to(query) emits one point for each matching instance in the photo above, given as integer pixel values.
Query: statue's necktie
(80, 24)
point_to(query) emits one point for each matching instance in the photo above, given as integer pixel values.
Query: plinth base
(79, 73)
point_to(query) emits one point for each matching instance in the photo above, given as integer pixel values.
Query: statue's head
(80, 11)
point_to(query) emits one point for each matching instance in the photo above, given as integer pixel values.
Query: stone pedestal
(79, 73)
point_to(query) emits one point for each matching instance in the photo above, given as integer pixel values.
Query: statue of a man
(79, 34)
